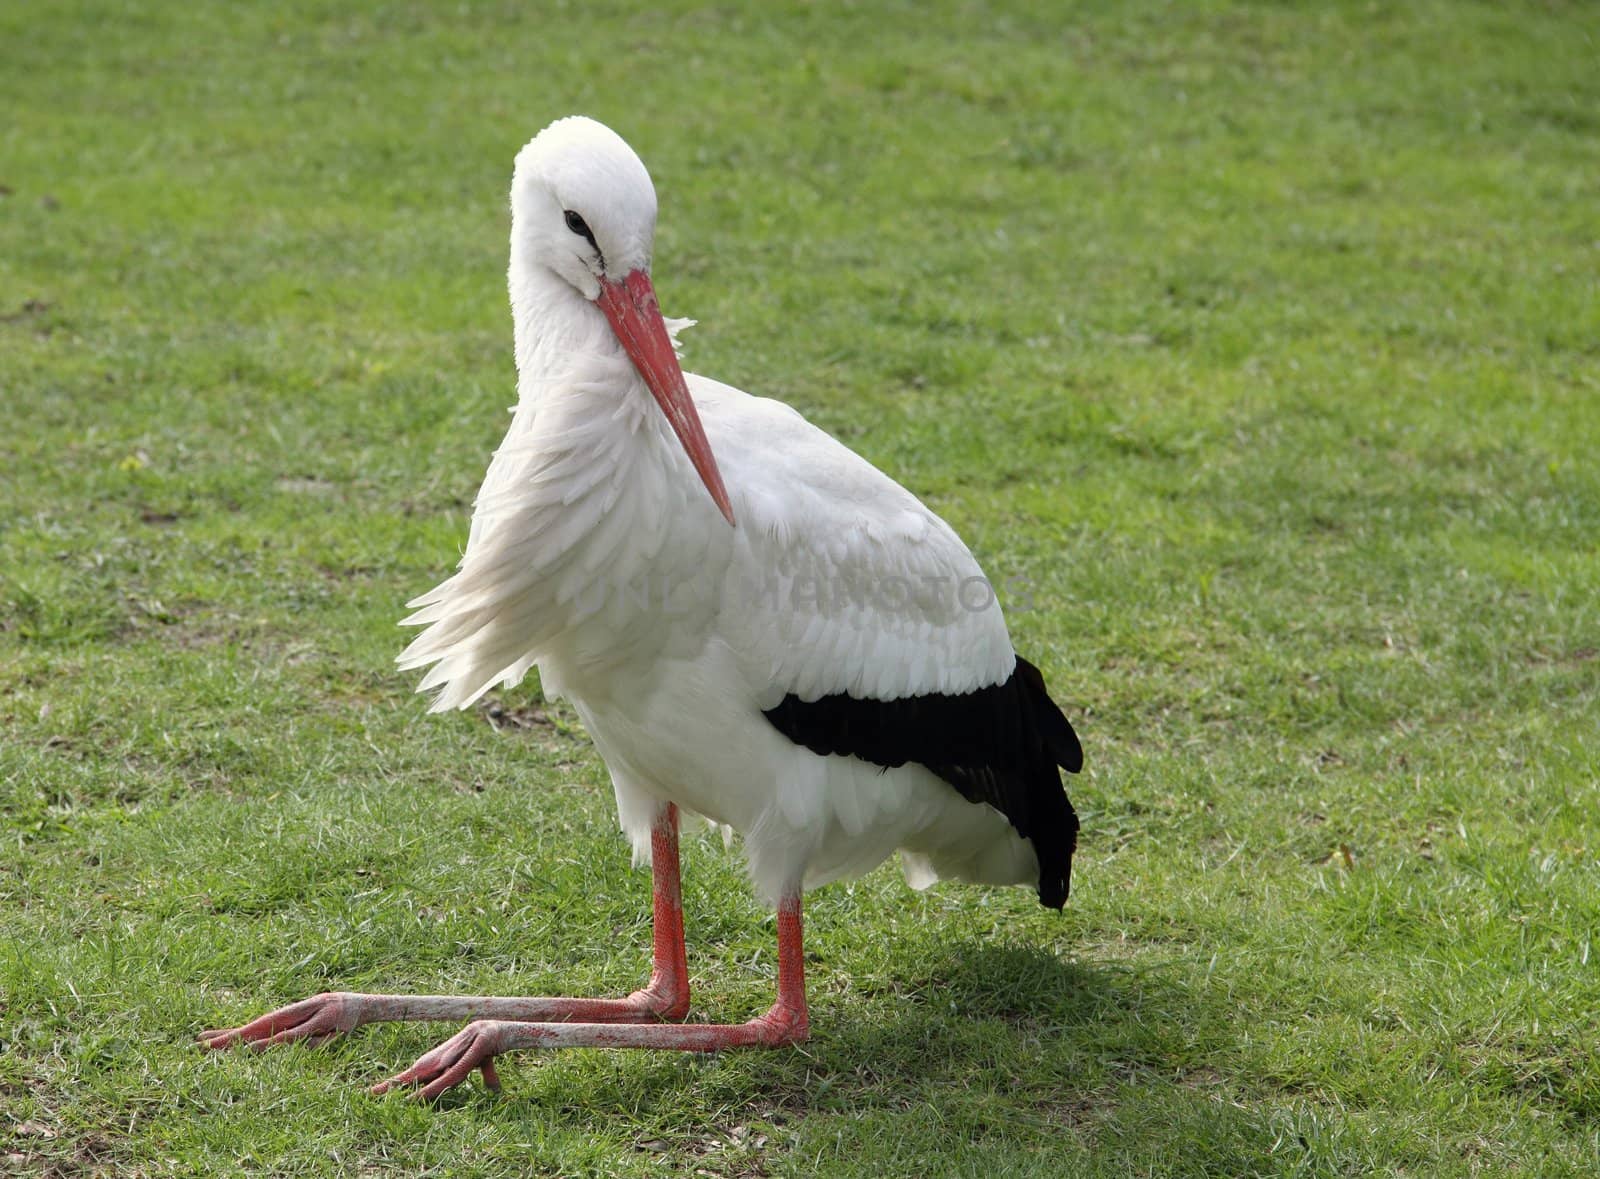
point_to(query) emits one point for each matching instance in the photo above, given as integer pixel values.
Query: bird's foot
(324, 1016)
(477, 1044)
(474, 1046)
(314, 1020)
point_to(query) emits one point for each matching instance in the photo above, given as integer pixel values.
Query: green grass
(1255, 347)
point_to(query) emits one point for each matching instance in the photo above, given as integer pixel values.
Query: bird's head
(583, 205)
(583, 208)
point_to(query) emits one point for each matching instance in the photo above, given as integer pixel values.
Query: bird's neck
(556, 330)
(579, 396)
(577, 390)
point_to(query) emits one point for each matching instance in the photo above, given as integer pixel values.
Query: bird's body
(807, 655)
(672, 633)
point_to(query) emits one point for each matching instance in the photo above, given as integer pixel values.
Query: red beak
(635, 316)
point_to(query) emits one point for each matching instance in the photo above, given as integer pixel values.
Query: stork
(755, 625)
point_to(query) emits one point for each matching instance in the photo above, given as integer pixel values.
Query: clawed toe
(315, 1020)
(474, 1047)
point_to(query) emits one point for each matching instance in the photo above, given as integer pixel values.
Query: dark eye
(580, 227)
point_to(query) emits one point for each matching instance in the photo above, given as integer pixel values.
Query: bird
(756, 626)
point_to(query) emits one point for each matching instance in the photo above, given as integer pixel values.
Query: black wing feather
(999, 745)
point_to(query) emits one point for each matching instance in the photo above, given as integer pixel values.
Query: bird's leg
(476, 1045)
(665, 996)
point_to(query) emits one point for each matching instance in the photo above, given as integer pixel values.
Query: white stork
(755, 624)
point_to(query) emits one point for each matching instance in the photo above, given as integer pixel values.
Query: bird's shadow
(957, 1014)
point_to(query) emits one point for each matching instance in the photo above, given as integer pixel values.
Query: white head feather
(576, 165)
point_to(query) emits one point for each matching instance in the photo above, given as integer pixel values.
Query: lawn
(1255, 350)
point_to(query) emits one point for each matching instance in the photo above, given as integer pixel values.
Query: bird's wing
(842, 581)
(867, 628)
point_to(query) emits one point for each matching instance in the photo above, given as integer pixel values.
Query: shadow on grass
(1018, 1021)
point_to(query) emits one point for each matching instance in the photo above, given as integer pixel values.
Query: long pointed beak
(635, 316)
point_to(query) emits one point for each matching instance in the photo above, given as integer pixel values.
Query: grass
(1254, 347)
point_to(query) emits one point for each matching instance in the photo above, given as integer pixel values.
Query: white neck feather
(554, 326)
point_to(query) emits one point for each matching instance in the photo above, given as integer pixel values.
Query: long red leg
(476, 1045)
(665, 996)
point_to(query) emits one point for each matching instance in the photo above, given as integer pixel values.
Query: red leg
(667, 992)
(476, 1045)
(665, 996)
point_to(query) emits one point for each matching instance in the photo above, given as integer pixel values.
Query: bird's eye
(580, 227)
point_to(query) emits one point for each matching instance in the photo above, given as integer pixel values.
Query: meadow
(1253, 347)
